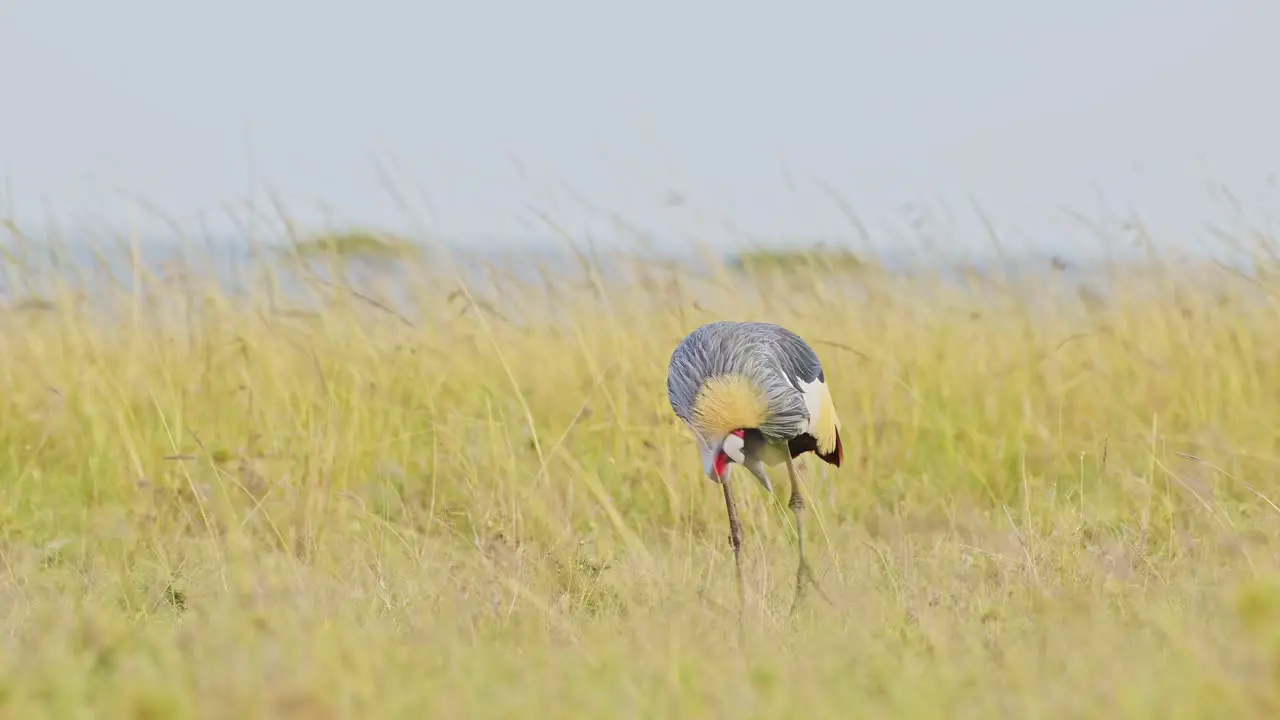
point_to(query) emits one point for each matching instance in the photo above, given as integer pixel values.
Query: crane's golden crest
(727, 403)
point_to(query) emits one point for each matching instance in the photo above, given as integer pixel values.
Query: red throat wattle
(722, 460)
(722, 464)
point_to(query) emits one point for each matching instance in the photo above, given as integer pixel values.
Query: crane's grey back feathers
(778, 364)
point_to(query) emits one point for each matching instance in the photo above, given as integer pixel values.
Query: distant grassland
(1057, 501)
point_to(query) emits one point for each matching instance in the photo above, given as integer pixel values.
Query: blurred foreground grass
(220, 507)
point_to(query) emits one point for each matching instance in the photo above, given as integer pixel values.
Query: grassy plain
(467, 506)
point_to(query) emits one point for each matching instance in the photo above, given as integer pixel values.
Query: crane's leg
(804, 573)
(735, 536)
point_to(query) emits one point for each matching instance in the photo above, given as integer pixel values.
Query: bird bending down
(755, 394)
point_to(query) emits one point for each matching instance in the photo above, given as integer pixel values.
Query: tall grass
(456, 498)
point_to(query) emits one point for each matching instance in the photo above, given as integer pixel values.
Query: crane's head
(740, 446)
(726, 414)
(718, 453)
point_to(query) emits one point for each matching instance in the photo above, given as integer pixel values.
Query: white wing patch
(814, 395)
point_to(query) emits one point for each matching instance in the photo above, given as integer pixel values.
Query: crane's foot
(804, 579)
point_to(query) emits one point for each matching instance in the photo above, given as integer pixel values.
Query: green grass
(819, 258)
(354, 244)
(221, 508)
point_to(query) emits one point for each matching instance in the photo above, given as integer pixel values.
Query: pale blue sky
(1026, 105)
